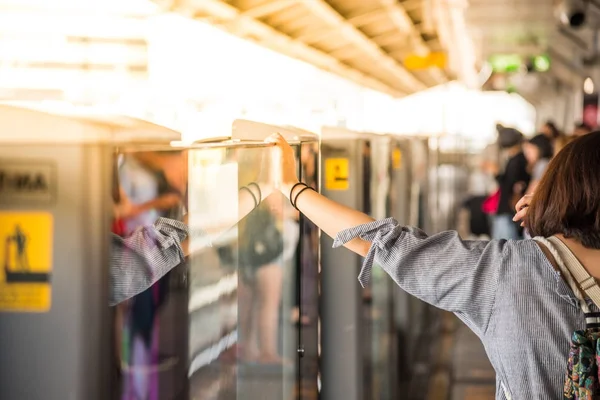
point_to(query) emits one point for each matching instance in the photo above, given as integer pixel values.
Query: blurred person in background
(581, 129)
(538, 152)
(561, 142)
(512, 183)
(494, 159)
(550, 130)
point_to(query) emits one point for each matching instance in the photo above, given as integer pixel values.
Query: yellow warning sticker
(26, 259)
(336, 173)
(397, 159)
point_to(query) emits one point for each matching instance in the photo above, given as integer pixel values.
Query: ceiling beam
(404, 23)
(365, 18)
(277, 41)
(268, 8)
(411, 5)
(389, 38)
(313, 36)
(329, 15)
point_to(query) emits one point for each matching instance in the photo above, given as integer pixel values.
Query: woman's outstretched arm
(329, 216)
(442, 270)
(333, 217)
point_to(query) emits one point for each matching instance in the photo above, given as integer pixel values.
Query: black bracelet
(298, 195)
(251, 194)
(257, 188)
(292, 190)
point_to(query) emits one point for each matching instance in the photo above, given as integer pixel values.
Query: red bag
(118, 227)
(490, 205)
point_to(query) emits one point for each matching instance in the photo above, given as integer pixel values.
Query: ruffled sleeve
(141, 259)
(378, 233)
(443, 270)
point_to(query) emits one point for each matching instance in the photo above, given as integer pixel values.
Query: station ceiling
(365, 41)
(368, 41)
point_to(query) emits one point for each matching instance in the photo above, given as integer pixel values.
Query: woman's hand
(288, 163)
(521, 208)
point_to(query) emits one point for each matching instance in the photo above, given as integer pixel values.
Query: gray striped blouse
(507, 292)
(140, 260)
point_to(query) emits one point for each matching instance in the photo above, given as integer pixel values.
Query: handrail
(200, 146)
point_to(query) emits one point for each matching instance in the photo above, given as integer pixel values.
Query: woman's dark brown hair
(567, 199)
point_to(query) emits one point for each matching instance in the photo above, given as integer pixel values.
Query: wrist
(286, 188)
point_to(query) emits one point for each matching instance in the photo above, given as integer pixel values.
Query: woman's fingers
(522, 207)
(520, 215)
(524, 202)
(287, 160)
(275, 138)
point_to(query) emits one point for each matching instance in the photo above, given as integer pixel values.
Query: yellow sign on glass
(337, 173)
(397, 159)
(26, 259)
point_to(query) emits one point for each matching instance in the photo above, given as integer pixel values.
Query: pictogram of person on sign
(20, 239)
(338, 176)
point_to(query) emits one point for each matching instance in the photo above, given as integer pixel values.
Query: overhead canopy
(366, 41)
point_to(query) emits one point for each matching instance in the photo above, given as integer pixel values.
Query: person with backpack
(533, 303)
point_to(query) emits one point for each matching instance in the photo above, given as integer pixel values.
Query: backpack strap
(575, 275)
(586, 282)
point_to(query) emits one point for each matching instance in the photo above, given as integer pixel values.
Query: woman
(512, 183)
(550, 130)
(507, 292)
(538, 152)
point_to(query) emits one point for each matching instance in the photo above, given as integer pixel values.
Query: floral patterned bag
(582, 380)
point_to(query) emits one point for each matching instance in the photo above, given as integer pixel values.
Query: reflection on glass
(236, 331)
(226, 322)
(152, 360)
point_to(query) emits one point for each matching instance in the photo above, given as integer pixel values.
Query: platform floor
(473, 376)
(463, 371)
(469, 374)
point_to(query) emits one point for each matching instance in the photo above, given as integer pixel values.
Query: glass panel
(221, 324)
(306, 316)
(367, 293)
(383, 357)
(151, 327)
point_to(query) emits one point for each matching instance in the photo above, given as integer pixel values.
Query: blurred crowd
(515, 163)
